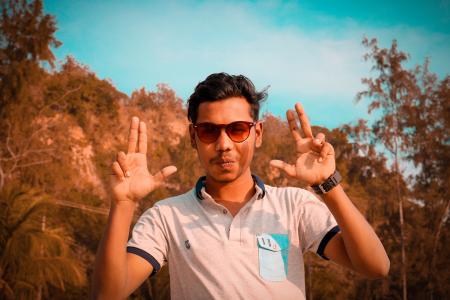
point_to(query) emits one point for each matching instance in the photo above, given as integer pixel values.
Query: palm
(139, 182)
(307, 167)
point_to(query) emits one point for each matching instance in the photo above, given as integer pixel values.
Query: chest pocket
(273, 253)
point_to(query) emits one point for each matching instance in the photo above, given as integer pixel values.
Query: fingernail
(127, 174)
(320, 159)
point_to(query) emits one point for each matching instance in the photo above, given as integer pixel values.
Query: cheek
(201, 154)
(204, 155)
(247, 153)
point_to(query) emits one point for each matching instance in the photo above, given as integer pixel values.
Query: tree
(26, 38)
(428, 147)
(370, 185)
(413, 109)
(393, 89)
(33, 255)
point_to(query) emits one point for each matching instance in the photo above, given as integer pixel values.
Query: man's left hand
(315, 157)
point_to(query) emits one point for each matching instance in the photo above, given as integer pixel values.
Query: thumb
(163, 174)
(289, 169)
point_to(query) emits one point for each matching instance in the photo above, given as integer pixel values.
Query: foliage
(413, 126)
(78, 92)
(64, 124)
(32, 255)
(26, 38)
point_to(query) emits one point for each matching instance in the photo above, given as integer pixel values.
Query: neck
(240, 190)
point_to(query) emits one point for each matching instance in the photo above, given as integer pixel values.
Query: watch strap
(328, 184)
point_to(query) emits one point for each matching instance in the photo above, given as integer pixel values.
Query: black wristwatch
(328, 184)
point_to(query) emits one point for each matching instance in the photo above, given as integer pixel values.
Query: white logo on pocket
(272, 267)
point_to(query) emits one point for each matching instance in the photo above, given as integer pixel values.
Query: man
(231, 236)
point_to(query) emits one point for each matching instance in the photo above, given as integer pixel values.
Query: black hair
(219, 86)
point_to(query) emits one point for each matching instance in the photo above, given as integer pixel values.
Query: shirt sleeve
(149, 240)
(317, 225)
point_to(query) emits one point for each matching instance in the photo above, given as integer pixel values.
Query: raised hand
(315, 157)
(132, 180)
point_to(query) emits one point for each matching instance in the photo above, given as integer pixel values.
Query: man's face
(225, 160)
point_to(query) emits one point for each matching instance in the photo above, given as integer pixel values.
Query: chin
(223, 177)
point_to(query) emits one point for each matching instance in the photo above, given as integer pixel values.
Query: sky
(304, 51)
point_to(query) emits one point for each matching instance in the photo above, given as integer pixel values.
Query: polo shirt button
(224, 211)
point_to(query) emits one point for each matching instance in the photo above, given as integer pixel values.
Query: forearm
(364, 248)
(110, 272)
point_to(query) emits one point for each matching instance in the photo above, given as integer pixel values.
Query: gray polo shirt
(257, 254)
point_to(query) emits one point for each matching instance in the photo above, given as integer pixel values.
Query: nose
(223, 142)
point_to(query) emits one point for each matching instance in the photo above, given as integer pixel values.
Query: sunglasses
(237, 131)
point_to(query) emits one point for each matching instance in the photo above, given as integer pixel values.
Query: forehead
(225, 111)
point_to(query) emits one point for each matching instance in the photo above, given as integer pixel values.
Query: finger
(327, 149)
(117, 170)
(142, 138)
(293, 125)
(318, 142)
(289, 169)
(133, 136)
(161, 176)
(303, 120)
(122, 160)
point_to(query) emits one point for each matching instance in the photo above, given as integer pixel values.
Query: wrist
(124, 204)
(331, 194)
(328, 184)
(322, 179)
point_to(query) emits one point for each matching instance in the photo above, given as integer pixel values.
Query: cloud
(179, 44)
(213, 37)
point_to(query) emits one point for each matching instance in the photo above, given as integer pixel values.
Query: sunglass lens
(208, 133)
(238, 131)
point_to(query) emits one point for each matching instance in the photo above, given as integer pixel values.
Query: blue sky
(307, 51)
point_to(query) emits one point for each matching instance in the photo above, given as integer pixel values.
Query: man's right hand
(131, 179)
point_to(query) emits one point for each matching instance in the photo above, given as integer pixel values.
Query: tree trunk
(434, 252)
(43, 225)
(402, 232)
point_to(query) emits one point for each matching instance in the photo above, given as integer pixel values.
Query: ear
(192, 136)
(259, 134)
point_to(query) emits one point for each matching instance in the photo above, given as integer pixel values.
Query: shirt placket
(219, 211)
(236, 232)
(233, 225)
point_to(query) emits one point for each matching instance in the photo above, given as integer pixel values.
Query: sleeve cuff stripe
(148, 257)
(325, 241)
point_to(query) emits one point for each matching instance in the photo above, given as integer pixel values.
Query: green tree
(275, 145)
(394, 88)
(371, 185)
(413, 110)
(26, 38)
(428, 147)
(33, 255)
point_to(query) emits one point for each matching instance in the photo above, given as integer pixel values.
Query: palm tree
(33, 256)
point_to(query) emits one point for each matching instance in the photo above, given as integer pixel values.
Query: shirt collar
(259, 185)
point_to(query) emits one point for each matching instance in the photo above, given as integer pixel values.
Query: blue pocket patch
(273, 253)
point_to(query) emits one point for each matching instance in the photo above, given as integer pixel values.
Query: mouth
(224, 163)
